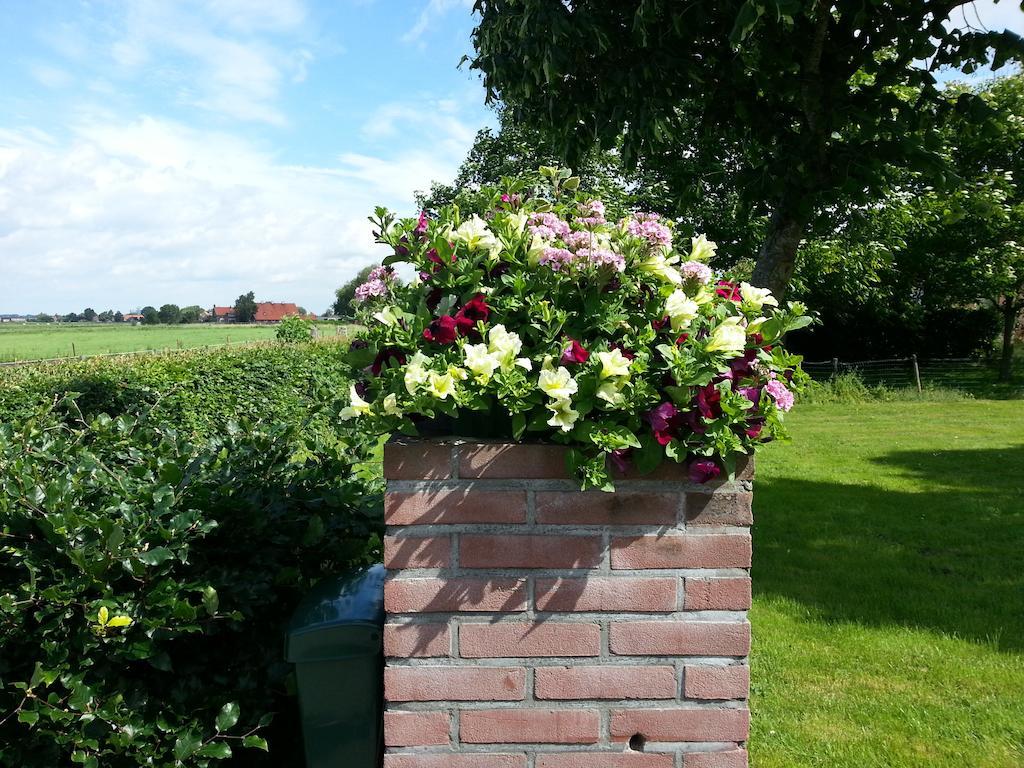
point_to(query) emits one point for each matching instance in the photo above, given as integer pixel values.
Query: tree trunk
(777, 258)
(1009, 310)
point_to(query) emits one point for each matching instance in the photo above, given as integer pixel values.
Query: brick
(730, 550)
(716, 682)
(453, 506)
(443, 595)
(604, 760)
(744, 467)
(597, 508)
(417, 640)
(604, 682)
(719, 508)
(417, 552)
(416, 729)
(522, 639)
(680, 638)
(655, 595)
(446, 760)
(417, 461)
(454, 684)
(511, 461)
(529, 726)
(529, 551)
(730, 758)
(726, 594)
(680, 725)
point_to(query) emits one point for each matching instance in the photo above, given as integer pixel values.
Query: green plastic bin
(335, 641)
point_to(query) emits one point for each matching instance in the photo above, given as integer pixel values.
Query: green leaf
(228, 716)
(256, 742)
(186, 745)
(218, 751)
(28, 717)
(211, 601)
(155, 556)
(649, 455)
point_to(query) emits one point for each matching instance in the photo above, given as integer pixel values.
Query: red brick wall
(531, 625)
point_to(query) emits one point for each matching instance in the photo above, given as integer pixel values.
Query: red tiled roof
(270, 311)
(223, 311)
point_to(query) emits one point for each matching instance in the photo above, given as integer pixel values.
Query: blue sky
(187, 151)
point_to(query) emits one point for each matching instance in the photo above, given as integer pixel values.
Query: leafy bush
(146, 578)
(549, 321)
(198, 391)
(294, 330)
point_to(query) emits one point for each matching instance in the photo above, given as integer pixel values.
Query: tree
(800, 102)
(343, 296)
(170, 314)
(191, 313)
(149, 315)
(118, 317)
(89, 315)
(72, 317)
(245, 308)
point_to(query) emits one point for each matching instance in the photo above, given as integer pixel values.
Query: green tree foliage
(245, 307)
(343, 296)
(801, 103)
(118, 317)
(170, 314)
(930, 268)
(106, 316)
(89, 315)
(191, 313)
(149, 315)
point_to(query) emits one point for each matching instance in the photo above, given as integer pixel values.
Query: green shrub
(198, 391)
(146, 578)
(294, 330)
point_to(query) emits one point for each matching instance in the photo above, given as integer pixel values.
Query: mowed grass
(889, 588)
(38, 342)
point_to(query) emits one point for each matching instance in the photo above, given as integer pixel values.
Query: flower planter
(533, 624)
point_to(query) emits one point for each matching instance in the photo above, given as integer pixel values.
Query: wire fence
(957, 373)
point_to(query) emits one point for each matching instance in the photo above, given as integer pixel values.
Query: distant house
(133, 317)
(13, 319)
(223, 314)
(275, 312)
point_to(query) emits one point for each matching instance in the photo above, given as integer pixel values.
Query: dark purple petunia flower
(709, 402)
(357, 344)
(435, 258)
(421, 225)
(386, 357)
(743, 367)
(754, 427)
(434, 298)
(472, 311)
(665, 421)
(621, 459)
(574, 353)
(753, 394)
(441, 331)
(704, 470)
(401, 249)
(362, 388)
(659, 324)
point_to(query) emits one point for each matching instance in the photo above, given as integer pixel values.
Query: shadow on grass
(947, 556)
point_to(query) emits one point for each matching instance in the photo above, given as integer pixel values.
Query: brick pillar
(531, 625)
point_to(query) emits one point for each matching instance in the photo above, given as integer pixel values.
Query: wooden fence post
(917, 373)
(835, 367)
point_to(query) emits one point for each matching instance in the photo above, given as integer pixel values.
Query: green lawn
(34, 342)
(889, 588)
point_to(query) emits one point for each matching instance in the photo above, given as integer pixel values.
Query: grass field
(889, 588)
(36, 342)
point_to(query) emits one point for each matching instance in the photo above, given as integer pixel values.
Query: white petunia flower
(558, 384)
(728, 336)
(755, 298)
(475, 233)
(562, 414)
(702, 249)
(356, 405)
(613, 363)
(480, 362)
(681, 309)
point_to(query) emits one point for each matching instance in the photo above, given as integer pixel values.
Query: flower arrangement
(546, 321)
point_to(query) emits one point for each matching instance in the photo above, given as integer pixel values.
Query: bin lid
(354, 600)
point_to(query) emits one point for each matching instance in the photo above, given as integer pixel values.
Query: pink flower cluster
(591, 214)
(649, 227)
(694, 270)
(548, 226)
(556, 258)
(603, 256)
(780, 394)
(377, 284)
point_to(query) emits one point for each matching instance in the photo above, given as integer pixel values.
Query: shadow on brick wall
(948, 557)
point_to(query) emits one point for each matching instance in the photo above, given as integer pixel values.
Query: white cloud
(433, 10)
(149, 211)
(50, 76)
(226, 56)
